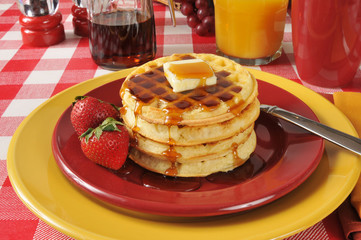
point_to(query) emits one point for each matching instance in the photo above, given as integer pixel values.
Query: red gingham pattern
(317, 231)
(24, 84)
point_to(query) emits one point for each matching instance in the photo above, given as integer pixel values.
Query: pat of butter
(189, 74)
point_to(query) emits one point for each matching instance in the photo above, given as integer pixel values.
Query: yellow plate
(45, 191)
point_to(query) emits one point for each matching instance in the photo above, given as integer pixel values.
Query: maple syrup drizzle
(123, 110)
(137, 111)
(202, 82)
(172, 155)
(171, 141)
(236, 159)
(172, 117)
(153, 86)
(196, 69)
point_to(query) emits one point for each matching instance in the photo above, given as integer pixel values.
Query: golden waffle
(191, 135)
(178, 133)
(192, 153)
(147, 93)
(200, 168)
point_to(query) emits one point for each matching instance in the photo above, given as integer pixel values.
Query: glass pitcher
(121, 32)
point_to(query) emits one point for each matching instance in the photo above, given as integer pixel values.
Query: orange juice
(249, 29)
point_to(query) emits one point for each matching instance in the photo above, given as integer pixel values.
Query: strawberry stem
(109, 124)
(78, 98)
(114, 106)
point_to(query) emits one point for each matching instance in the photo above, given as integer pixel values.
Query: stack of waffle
(195, 132)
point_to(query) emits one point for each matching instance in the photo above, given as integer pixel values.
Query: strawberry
(90, 112)
(106, 145)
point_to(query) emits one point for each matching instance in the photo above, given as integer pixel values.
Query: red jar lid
(40, 23)
(80, 21)
(43, 30)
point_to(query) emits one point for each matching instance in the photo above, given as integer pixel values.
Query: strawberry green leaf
(78, 98)
(87, 134)
(98, 132)
(110, 127)
(114, 106)
(109, 124)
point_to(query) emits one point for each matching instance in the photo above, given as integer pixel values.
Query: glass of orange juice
(250, 31)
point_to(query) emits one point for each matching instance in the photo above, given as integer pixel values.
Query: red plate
(284, 157)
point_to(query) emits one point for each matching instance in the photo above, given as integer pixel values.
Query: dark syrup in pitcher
(122, 39)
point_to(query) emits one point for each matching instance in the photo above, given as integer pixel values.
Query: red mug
(326, 40)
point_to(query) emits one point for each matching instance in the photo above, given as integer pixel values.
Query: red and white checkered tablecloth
(25, 83)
